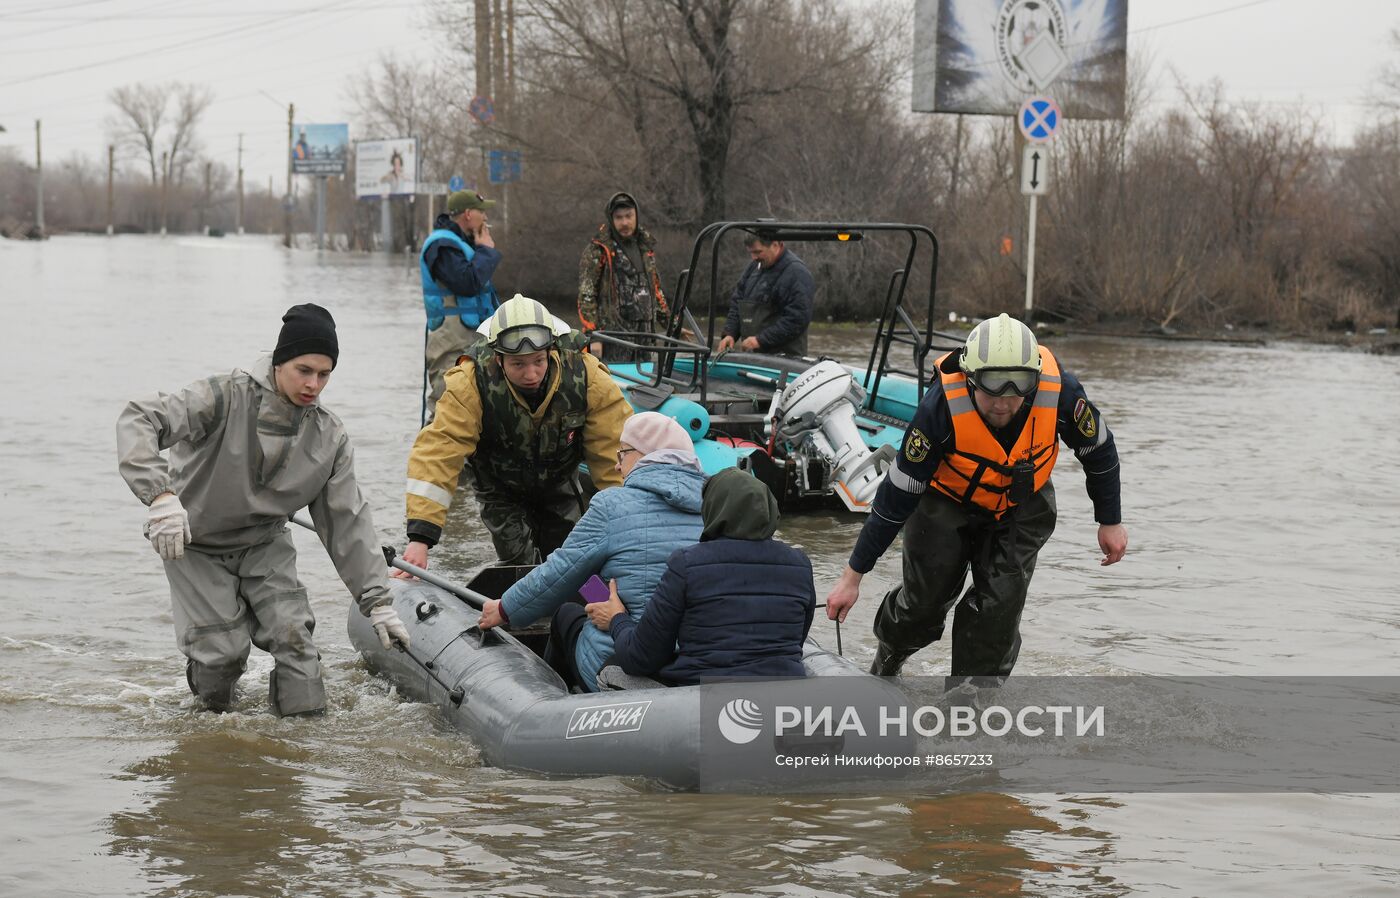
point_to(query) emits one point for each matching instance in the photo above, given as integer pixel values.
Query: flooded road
(1265, 539)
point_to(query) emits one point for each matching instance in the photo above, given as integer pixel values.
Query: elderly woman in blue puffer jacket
(738, 603)
(627, 534)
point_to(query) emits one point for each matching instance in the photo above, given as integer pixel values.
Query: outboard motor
(816, 416)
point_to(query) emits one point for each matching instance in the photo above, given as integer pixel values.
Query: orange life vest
(977, 470)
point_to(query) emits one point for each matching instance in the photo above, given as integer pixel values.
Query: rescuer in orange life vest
(973, 482)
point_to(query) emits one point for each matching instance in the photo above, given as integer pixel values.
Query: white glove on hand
(389, 627)
(168, 527)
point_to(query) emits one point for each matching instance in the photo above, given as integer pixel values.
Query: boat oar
(838, 633)
(471, 597)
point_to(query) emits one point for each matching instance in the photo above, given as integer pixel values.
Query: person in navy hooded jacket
(737, 604)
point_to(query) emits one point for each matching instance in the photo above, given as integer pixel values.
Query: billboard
(987, 56)
(386, 167)
(320, 149)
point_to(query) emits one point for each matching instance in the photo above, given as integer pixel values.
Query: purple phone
(595, 590)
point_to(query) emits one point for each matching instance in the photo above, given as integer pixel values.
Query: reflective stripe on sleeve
(902, 481)
(1103, 432)
(430, 491)
(1102, 438)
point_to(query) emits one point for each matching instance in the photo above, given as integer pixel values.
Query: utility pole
(238, 222)
(208, 195)
(164, 185)
(320, 212)
(510, 56)
(111, 170)
(39, 171)
(287, 200)
(498, 58)
(957, 164)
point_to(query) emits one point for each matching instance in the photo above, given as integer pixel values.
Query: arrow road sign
(1038, 118)
(1035, 169)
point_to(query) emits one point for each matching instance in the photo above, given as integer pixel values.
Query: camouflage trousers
(943, 541)
(525, 528)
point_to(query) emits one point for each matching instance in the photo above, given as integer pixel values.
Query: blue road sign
(455, 183)
(504, 166)
(1038, 118)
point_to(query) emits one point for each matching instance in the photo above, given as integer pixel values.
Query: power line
(27, 34)
(177, 46)
(242, 77)
(1204, 15)
(233, 14)
(69, 48)
(49, 7)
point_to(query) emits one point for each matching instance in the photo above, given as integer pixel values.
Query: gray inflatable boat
(494, 687)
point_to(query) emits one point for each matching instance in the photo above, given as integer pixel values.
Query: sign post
(386, 225)
(1038, 119)
(320, 151)
(1035, 168)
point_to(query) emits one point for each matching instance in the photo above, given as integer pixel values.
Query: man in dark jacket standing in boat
(455, 267)
(770, 309)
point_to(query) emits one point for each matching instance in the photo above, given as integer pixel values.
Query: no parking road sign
(1038, 118)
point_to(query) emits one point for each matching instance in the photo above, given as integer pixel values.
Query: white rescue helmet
(1001, 355)
(520, 326)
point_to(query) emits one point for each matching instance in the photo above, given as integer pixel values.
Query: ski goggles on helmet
(1000, 381)
(523, 339)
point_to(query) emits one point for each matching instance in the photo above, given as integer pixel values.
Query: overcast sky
(60, 58)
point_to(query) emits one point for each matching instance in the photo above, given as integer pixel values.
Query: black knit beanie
(306, 328)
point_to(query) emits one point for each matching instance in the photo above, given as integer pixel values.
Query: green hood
(736, 505)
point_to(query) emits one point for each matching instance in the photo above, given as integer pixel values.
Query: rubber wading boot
(217, 685)
(888, 661)
(964, 694)
(299, 697)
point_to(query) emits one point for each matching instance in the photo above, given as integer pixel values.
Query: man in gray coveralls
(247, 450)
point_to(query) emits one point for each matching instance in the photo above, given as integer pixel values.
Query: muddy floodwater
(1259, 489)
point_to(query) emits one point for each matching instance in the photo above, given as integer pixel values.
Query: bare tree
(1257, 157)
(138, 119)
(397, 99)
(709, 59)
(145, 121)
(191, 101)
(1385, 94)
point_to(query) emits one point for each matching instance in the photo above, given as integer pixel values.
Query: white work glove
(168, 527)
(387, 624)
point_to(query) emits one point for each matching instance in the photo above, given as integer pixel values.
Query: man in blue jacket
(737, 604)
(771, 307)
(455, 267)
